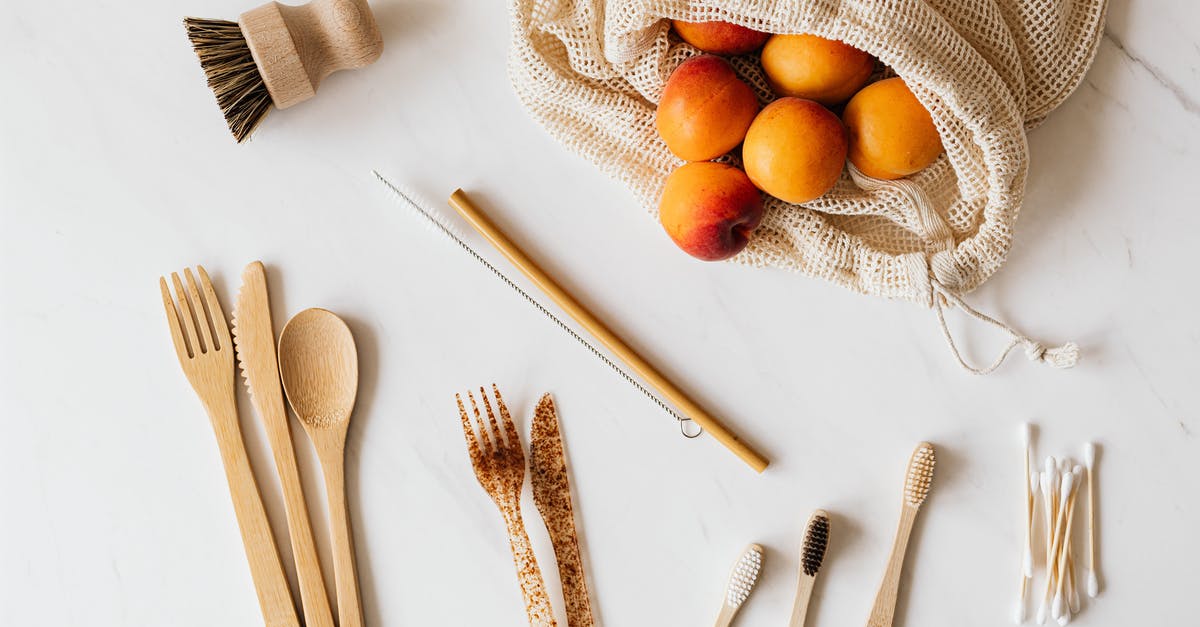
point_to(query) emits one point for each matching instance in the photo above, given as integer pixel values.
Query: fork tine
(202, 315)
(468, 432)
(510, 428)
(181, 347)
(217, 315)
(485, 442)
(496, 433)
(185, 313)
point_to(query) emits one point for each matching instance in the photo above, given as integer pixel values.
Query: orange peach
(720, 37)
(795, 150)
(807, 66)
(891, 134)
(710, 209)
(705, 109)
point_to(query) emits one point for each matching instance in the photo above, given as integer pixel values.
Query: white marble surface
(115, 167)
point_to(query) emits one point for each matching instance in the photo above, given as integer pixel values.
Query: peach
(807, 66)
(720, 37)
(710, 209)
(891, 134)
(705, 109)
(795, 150)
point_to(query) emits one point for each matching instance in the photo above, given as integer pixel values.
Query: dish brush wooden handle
(295, 47)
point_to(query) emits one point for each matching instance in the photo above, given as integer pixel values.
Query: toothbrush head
(816, 540)
(920, 475)
(744, 576)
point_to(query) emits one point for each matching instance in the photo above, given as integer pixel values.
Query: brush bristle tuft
(744, 576)
(232, 74)
(816, 540)
(920, 475)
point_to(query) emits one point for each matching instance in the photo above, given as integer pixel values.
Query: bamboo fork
(499, 463)
(602, 333)
(202, 343)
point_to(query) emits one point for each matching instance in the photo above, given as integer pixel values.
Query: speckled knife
(552, 495)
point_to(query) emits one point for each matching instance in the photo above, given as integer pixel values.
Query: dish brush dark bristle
(232, 74)
(816, 539)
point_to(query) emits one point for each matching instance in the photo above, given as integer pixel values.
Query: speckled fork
(499, 463)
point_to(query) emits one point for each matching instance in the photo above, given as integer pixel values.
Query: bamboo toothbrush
(1093, 579)
(916, 488)
(812, 554)
(278, 54)
(741, 583)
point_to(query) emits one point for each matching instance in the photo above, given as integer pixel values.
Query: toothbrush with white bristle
(741, 583)
(1093, 579)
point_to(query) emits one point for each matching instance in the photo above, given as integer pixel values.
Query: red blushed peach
(705, 109)
(710, 209)
(720, 37)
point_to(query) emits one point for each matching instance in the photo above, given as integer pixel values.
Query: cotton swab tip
(1041, 614)
(1093, 585)
(1068, 484)
(1019, 613)
(1027, 562)
(1051, 465)
(1064, 619)
(1057, 609)
(1026, 433)
(1089, 454)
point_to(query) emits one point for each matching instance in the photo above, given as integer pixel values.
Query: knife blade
(552, 495)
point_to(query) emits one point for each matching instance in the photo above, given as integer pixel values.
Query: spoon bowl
(318, 363)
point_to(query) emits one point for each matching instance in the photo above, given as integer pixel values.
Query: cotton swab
(1064, 493)
(1070, 488)
(1093, 581)
(1044, 480)
(1027, 557)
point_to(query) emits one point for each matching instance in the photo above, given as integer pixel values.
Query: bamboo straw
(480, 222)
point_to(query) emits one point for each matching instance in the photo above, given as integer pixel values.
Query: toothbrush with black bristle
(741, 584)
(812, 555)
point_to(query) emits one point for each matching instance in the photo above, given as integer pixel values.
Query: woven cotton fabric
(591, 72)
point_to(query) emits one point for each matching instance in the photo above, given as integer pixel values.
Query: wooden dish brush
(278, 54)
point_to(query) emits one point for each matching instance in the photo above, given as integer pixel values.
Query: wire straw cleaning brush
(278, 54)
(812, 555)
(741, 583)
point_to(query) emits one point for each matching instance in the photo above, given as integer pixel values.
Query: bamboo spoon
(319, 366)
(916, 487)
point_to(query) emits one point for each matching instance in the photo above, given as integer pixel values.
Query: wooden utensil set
(499, 462)
(320, 375)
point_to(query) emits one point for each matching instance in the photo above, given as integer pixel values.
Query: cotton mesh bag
(591, 72)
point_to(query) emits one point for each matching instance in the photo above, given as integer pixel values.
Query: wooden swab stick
(1060, 610)
(1093, 583)
(480, 222)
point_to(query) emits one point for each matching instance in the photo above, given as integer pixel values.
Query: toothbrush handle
(884, 610)
(804, 591)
